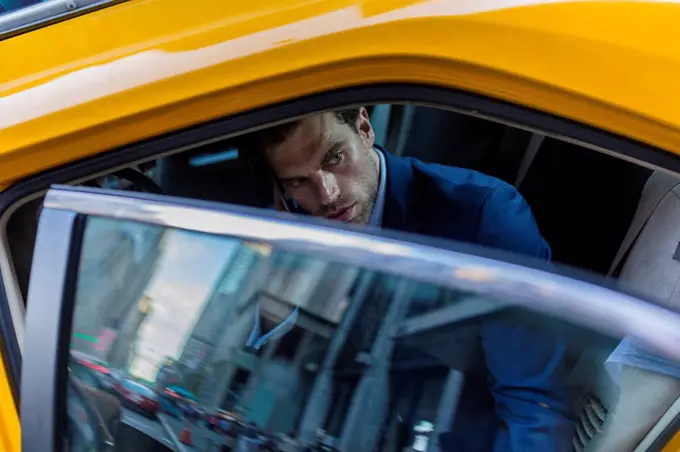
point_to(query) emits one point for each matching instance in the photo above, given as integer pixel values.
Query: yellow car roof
(146, 67)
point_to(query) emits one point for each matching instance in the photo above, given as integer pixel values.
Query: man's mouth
(342, 214)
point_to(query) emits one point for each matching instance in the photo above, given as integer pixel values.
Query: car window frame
(46, 13)
(12, 303)
(60, 241)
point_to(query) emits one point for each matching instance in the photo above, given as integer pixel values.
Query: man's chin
(359, 219)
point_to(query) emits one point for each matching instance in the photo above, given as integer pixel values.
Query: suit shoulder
(459, 184)
(448, 201)
(466, 205)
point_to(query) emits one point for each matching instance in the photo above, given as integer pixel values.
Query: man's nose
(327, 187)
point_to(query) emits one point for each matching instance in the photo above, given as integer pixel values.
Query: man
(327, 166)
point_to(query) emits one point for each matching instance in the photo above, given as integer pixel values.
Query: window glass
(81, 433)
(84, 374)
(137, 387)
(400, 365)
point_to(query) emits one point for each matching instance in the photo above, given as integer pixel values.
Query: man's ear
(365, 128)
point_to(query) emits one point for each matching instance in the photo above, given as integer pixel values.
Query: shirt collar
(377, 213)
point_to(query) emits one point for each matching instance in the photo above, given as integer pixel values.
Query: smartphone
(288, 203)
(263, 172)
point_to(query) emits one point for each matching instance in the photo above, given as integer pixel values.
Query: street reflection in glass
(217, 344)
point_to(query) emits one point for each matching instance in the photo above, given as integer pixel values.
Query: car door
(381, 339)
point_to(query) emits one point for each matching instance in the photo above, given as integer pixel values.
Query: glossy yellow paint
(147, 67)
(10, 432)
(673, 445)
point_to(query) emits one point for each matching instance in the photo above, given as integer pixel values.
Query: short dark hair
(271, 136)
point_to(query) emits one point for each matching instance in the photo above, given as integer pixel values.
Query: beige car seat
(649, 257)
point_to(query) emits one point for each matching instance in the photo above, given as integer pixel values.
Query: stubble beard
(371, 181)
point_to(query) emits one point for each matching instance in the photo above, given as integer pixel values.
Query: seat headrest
(658, 184)
(653, 265)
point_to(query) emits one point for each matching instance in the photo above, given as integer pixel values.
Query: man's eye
(336, 158)
(295, 183)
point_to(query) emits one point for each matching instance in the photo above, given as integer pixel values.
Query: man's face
(328, 168)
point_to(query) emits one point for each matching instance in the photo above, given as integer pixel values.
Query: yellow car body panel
(147, 67)
(142, 68)
(10, 432)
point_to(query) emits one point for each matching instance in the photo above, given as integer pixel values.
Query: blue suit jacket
(523, 404)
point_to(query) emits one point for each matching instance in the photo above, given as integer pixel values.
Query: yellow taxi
(573, 103)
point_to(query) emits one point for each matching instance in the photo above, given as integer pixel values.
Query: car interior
(584, 202)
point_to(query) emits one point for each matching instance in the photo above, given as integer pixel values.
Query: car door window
(582, 222)
(81, 425)
(83, 374)
(371, 342)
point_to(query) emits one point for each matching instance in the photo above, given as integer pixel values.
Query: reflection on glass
(225, 344)
(81, 433)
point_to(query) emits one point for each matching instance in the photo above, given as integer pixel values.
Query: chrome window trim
(47, 334)
(581, 302)
(46, 13)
